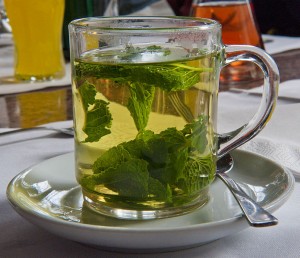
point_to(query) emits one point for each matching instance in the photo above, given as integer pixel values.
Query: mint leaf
(175, 139)
(174, 169)
(151, 163)
(156, 151)
(164, 153)
(198, 173)
(196, 133)
(98, 120)
(134, 147)
(111, 159)
(168, 77)
(107, 71)
(158, 191)
(128, 179)
(97, 115)
(139, 104)
(145, 135)
(169, 152)
(87, 92)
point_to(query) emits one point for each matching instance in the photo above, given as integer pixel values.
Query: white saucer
(48, 195)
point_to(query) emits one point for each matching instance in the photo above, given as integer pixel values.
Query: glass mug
(37, 32)
(145, 94)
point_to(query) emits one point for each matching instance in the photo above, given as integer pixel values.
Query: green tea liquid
(144, 127)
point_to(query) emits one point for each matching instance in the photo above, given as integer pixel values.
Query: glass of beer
(37, 34)
(145, 95)
(239, 26)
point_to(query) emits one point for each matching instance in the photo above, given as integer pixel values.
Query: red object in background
(239, 27)
(238, 21)
(181, 7)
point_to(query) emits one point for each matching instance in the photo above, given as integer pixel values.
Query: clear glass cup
(145, 94)
(37, 33)
(239, 26)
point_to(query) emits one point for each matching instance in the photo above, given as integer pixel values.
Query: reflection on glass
(112, 8)
(42, 107)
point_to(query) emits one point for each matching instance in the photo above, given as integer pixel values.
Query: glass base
(40, 78)
(130, 214)
(15, 79)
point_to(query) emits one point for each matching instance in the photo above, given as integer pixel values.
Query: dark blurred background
(277, 17)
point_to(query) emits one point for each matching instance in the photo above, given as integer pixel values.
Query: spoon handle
(68, 131)
(255, 214)
(21, 130)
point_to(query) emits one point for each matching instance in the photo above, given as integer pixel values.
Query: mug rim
(183, 23)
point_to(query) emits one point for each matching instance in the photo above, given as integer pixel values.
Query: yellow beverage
(37, 32)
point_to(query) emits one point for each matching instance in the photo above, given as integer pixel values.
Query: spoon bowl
(254, 213)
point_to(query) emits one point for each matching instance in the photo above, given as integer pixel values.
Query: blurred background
(278, 17)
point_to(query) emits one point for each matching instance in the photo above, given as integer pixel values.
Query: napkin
(276, 44)
(287, 155)
(278, 141)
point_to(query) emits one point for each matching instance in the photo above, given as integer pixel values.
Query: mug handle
(232, 140)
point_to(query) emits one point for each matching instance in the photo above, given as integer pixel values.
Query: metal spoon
(254, 213)
(68, 131)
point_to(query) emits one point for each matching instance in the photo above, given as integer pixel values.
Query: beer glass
(145, 94)
(239, 26)
(37, 34)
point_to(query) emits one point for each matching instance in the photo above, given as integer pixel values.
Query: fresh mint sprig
(163, 161)
(97, 115)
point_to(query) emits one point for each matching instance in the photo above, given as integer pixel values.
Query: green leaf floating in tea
(164, 159)
(168, 77)
(140, 103)
(98, 118)
(128, 179)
